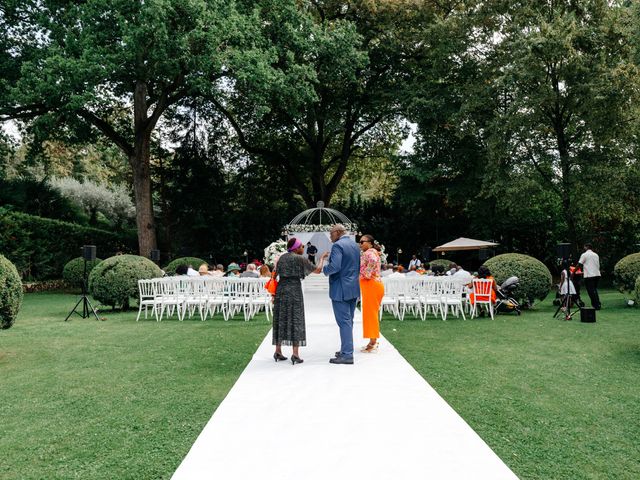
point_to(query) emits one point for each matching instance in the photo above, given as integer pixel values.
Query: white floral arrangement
(383, 255)
(308, 228)
(273, 251)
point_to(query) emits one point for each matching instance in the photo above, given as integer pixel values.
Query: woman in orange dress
(371, 291)
(484, 272)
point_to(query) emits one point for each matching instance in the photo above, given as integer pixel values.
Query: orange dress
(371, 291)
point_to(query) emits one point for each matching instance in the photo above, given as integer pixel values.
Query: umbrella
(463, 243)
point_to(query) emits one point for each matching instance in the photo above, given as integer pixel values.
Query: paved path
(378, 419)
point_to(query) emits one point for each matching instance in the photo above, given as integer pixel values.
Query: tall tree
(334, 76)
(564, 89)
(113, 67)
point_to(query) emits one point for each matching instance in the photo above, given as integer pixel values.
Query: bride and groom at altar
(343, 267)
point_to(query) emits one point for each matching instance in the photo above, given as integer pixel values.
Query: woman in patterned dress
(371, 291)
(288, 304)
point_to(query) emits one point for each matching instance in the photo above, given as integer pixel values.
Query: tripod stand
(565, 286)
(84, 299)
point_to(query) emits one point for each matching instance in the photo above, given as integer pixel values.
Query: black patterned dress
(288, 306)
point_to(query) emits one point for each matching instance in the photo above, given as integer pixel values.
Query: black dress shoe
(338, 354)
(341, 361)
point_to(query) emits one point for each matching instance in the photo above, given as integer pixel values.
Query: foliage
(637, 290)
(535, 277)
(115, 280)
(441, 261)
(10, 293)
(114, 203)
(37, 197)
(40, 247)
(74, 269)
(626, 272)
(193, 261)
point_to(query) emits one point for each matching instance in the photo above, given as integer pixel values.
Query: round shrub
(115, 280)
(535, 277)
(73, 270)
(626, 272)
(10, 293)
(441, 261)
(193, 261)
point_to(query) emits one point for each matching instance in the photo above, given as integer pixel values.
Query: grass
(554, 399)
(112, 399)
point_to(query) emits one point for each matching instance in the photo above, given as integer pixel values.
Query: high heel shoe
(295, 359)
(278, 356)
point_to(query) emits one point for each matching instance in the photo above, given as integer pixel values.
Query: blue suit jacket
(343, 270)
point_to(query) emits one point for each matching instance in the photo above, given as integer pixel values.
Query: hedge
(74, 269)
(115, 280)
(638, 290)
(193, 261)
(626, 272)
(535, 277)
(441, 261)
(40, 247)
(10, 293)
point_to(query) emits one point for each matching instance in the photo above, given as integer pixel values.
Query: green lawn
(553, 399)
(120, 399)
(112, 399)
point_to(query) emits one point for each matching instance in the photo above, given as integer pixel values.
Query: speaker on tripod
(155, 256)
(88, 255)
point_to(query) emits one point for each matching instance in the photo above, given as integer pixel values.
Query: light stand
(84, 299)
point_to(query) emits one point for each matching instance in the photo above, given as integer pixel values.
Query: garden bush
(115, 280)
(626, 272)
(441, 261)
(193, 261)
(638, 290)
(10, 293)
(40, 247)
(73, 270)
(535, 277)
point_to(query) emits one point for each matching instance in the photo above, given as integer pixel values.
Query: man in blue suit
(343, 270)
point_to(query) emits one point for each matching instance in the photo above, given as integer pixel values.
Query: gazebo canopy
(463, 243)
(319, 219)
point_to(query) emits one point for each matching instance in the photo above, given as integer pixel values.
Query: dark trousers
(312, 259)
(591, 284)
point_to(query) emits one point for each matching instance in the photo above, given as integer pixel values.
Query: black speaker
(89, 252)
(155, 255)
(563, 250)
(426, 254)
(483, 254)
(588, 315)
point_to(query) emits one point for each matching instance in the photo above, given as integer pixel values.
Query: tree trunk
(142, 193)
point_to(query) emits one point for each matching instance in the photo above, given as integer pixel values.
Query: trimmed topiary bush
(10, 293)
(535, 277)
(73, 270)
(115, 280)
(441, 261)
(195, 262)
(626, 272)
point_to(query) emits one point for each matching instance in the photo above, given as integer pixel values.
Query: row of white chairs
(186, 296)
(438, 296)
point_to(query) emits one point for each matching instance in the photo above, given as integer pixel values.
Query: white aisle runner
(377, 419)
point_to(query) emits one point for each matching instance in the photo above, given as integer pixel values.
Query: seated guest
(386, 270)
(264, 271)
(412, 272)
(453, 268)
(463, 276)
(250, 272)
(396, 272)
(437, 270)
(203, 270)
(218, 272)
(484, 272)
(233, 270)
(181, 269)
(191, 272)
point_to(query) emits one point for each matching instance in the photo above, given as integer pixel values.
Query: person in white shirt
(191, 272)
(412, 272)
(462, 276)
(386, 270)
(218, 272)
(396, 273)
(590, 262)
(415, 262)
